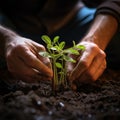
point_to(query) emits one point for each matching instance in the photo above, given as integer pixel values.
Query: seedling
(58, 55)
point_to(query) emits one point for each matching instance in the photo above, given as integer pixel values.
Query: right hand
(24, 62)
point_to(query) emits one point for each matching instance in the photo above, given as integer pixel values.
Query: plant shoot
(58, 55)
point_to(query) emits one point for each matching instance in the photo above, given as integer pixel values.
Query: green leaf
(58, 55)
(74, 44)
(69, 59)
(62, 45)
(46, 39)
(81, 47)
(71, 51)
(44, 54)
(56, 48)
(58, 65)
(53, 48)
(49, 46)
(56, 38)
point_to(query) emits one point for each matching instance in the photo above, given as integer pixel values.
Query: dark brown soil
(97, 101)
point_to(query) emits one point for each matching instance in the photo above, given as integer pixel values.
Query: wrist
(102, 30)
(95, 40)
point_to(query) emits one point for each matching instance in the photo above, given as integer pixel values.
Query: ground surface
(97, 101)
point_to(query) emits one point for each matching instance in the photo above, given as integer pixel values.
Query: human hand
(89, 65)
(24, 62)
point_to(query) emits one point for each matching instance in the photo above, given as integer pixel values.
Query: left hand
(89, 65)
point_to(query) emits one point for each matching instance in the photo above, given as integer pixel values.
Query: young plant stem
(58, 56)
(55, 76)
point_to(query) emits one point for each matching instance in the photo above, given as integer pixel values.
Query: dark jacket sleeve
(111, 7)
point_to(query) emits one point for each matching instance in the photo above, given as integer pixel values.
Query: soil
(95, 101)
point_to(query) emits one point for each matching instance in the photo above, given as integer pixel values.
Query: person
(94, 24)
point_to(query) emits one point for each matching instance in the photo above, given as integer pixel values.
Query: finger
(31, 60)
(36, 48)
(19, 69)
(17, 66)
(83, 63)
(87, 78)
(90, 73)
(100, 70)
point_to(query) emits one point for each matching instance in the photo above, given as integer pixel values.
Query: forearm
(102, 30)
(5, 36)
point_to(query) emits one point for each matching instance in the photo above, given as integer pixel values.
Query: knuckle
(94, 47)
(9, 56)
(18, 47)
(102, 54)
(42, 47)
(14, 50)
